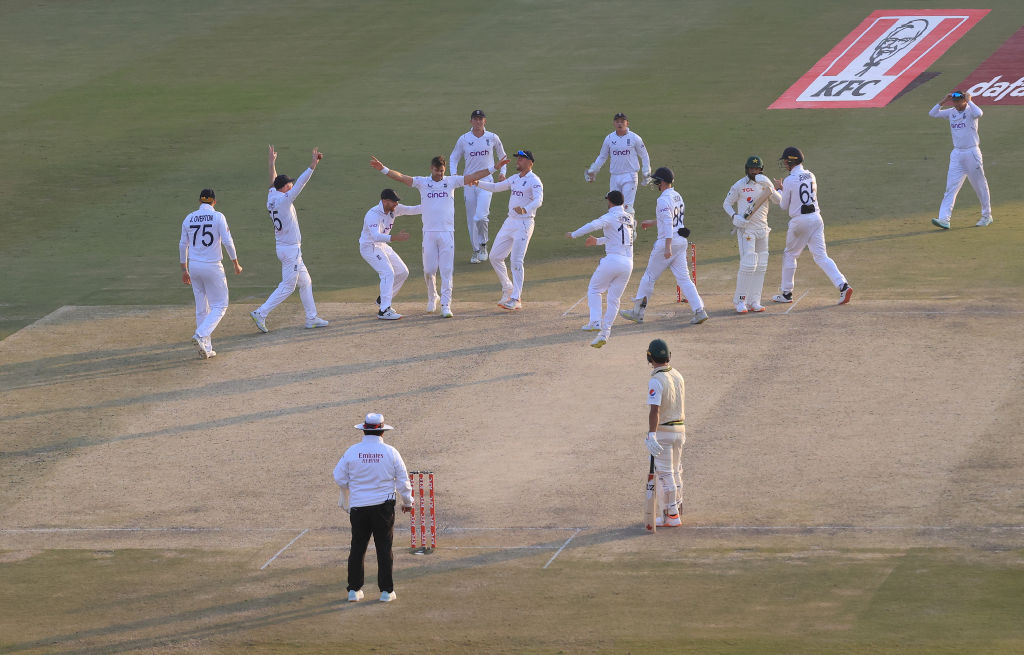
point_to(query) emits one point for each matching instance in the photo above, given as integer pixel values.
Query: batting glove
(653, 447)
(588, 176)
(740, 222)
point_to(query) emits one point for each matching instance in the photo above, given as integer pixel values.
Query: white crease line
(566, 313)
(59, 530)
(796, 301)
(284, 549)
(552, 527)
(558, 552)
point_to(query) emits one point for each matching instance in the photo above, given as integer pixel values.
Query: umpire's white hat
(373, 421)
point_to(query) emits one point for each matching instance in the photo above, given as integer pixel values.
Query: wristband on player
(385, 170)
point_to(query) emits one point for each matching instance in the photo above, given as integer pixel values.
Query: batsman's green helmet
(658, 351)
(754, 162)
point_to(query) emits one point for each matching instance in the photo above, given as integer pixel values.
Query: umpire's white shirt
(282, 211)
(372, 471)
(963, 125)
(479, 152)
(438, 201)
(623, 154)
(527, 191)
(202, 233)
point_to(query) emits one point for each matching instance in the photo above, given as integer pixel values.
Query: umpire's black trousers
(378, 520)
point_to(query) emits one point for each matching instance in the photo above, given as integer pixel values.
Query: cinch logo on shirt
(620, 152)
(957, 125)
(437, 194)
(479, 153)
(518, 193)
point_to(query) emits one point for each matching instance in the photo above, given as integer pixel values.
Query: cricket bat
(753, 208)
(651, 502)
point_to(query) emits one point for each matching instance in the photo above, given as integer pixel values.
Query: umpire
(372, 475)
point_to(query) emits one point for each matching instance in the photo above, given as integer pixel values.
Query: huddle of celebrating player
(205, 231)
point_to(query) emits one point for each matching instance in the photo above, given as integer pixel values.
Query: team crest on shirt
(629, 142)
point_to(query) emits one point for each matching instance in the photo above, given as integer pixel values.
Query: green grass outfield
(115, 114)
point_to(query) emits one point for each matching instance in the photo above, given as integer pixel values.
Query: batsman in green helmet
(747, 207)
(666, 432)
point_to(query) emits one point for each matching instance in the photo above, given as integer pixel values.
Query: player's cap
(620, 115)
(658, 351)
(525, 153)
(615, 197)
(389, 194)
(281, 180)
(792, 155)
(207, 194)
(373, 421)
(478, 113)
(663, 174)
(754, 162)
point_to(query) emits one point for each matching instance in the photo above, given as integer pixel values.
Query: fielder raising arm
(407, 180)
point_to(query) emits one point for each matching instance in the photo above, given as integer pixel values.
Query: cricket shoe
(985, 221)
(388, 314)
(599, 341)
(755, 307)
(475, 259)
(741, 307)
(593, 326)
(315, 322)
(210, 352)
(355, 595)
(431, 305)
(446, 312)
(483, 254)
(941, 222)
(378, 301)
(845, 292)
(511, 304)
(631, 315)
(658, 522)
(260, 321)
(673, 521)
(200, 344)
(699, 316)
(387, 596)
(785, 296)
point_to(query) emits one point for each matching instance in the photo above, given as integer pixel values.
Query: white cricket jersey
(480, 152)
(282, 211)
(438, 201)
(373, 471)
(745, 194)
(526, 191)
(377, 223)
(669, 214)
(624, 154)
(963, 125)
(618, 227)
(799, 189)
(202, 234)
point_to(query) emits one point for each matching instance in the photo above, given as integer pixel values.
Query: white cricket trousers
(965, 163)
(512, 241)
(439, 255)
(626, 183)
(669, 468)
(210, 287)
(753, 245)
(657, 264)
(389, 266)
(293, 273)
(807, 231)
(478, 209)
(610, 278)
